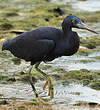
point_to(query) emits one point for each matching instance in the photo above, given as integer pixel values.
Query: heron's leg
(48, 82)
(31, 82)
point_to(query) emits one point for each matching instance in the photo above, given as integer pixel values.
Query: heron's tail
(6, 45)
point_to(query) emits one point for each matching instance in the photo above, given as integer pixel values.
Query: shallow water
(62, 1)
(88, 5)
(73, 93)
(64, 94)
(74, 62)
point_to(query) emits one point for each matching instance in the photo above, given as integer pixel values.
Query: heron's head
(75, 22)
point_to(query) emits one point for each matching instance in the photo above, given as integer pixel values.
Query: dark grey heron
(46, 44)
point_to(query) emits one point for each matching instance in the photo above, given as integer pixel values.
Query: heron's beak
(81, 25)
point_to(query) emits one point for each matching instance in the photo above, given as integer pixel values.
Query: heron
(44, 44)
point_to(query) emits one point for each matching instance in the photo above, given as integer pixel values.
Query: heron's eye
(74, 22)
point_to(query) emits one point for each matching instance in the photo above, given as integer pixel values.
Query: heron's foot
(50, 87)
(36, 95)
(41, 100)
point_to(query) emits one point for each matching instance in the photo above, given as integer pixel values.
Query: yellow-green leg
(48, 81)
(50, 86)
(31, 82)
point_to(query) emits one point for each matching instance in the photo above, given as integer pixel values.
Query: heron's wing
(32, 49)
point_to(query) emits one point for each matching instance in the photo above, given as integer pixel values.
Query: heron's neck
(66, 28)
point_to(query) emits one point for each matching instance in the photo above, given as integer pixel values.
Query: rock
(4, 102)
(81, 47)
(92, 104)
(12, 79)
(58, 10)
(2, 40)
(17, 31)
(46, 19)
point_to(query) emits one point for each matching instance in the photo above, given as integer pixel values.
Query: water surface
(64, 94)
(88, 5)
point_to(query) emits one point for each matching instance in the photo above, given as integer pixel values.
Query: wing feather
(32, 49)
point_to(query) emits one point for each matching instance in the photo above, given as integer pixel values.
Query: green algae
(95, 85)
(84, 52)
(90, 78)
(45, 67)
(85, 81)
(91, 45)
(86, 61)
(90, 17)
(3, 77)
(59, 70)
(77, 74)
(96, 57)
(21, 107)
(90, 42)
(81, 0)
(16, 61)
